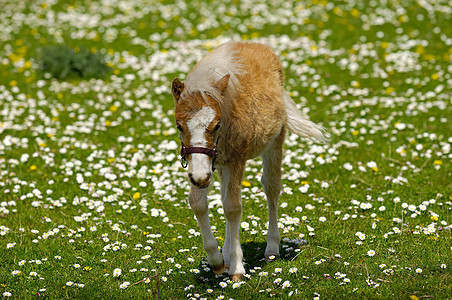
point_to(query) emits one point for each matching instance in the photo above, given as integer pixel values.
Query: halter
(200, 150)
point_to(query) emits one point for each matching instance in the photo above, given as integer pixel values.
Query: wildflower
(373, 166)
(7, 294)
(443, 266)
(419, 270)
(286, 284)
(117, 272)
(69, 283)
(223, 284)
(360, 235)
(278, 270)
(371, 253)
(16, 272)
(124, 285)
(348, 166)
(293, 270)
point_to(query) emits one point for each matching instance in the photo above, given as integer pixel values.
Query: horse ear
(222, 84)
(176, 88)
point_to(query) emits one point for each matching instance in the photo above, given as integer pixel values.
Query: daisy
(117, 272)
(371, 253)
(286, 284)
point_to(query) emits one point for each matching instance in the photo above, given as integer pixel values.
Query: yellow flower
(354, 12)
(246, 183)
(33, 167)
(389, 90)
(355, 84)
(434, 218)
(136, 196)
(438, 162)
(113, 108)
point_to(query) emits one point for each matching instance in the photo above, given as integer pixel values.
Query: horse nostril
(202, 182)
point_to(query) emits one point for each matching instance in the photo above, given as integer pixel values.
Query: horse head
(198, 118)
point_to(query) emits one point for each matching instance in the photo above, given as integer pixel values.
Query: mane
(214, 66)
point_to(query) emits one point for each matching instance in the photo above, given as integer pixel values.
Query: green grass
(90, 179)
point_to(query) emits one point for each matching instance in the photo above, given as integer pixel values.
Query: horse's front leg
(232, 205)
(198, 203)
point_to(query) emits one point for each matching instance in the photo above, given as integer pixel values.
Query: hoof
(218, 270)
(236, 277)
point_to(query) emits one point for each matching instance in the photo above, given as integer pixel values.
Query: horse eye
(179, 127)
(217, 127)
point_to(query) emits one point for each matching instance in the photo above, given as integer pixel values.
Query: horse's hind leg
(271, 180)
(198, 203)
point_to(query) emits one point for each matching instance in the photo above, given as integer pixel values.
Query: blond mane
(218, 63)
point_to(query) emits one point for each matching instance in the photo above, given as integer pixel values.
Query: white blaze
(200, 163)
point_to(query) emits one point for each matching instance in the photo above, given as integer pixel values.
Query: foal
(233, 107)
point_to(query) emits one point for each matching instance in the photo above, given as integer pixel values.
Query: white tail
(300, 125)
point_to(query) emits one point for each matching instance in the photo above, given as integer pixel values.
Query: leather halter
(200, 150)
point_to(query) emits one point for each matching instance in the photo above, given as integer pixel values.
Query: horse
(233, 107)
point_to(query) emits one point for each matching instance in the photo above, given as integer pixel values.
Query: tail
(300, 125)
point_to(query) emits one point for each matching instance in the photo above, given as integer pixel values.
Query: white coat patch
(200, 163)
(198, 124)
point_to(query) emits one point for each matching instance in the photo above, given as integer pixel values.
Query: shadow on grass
(253, 256)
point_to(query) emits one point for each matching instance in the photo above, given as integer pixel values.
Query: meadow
(93, 199)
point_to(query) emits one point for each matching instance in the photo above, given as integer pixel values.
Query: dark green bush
(62, 62)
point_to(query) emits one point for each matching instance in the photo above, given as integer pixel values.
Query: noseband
(200, 150)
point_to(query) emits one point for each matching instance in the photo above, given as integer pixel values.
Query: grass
(90, 180)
